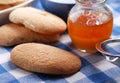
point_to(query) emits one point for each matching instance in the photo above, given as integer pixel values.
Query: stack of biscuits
(31, 25)
(4, 4)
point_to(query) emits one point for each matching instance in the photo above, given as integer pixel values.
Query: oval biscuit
(12, 34)
(45, 59)
(38, 20)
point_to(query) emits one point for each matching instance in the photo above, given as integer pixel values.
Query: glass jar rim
(101, 2)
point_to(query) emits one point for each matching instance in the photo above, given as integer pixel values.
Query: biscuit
(38, 20)
(12, 2)
(2, 7)
(12, 34)
(46, 59)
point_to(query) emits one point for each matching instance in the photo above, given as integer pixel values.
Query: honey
(89, 28)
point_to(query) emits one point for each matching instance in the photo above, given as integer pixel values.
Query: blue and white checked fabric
(95, 69)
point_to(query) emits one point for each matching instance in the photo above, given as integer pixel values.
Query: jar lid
(110, 49)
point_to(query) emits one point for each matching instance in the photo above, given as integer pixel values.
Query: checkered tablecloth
(95, 68)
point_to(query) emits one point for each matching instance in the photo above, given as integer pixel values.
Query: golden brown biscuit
(12, 34)
(12, 2)
(38, 20)
(2, 7)
(45, 59)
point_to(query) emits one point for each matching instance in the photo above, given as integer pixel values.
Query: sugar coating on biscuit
(43, 58)
(38, 20)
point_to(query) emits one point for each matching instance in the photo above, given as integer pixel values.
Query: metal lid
(110, 49)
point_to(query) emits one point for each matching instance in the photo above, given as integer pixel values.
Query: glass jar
(89, 22)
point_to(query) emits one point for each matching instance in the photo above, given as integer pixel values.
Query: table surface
(95, 68)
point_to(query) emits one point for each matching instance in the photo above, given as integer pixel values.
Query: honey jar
(89, 22)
